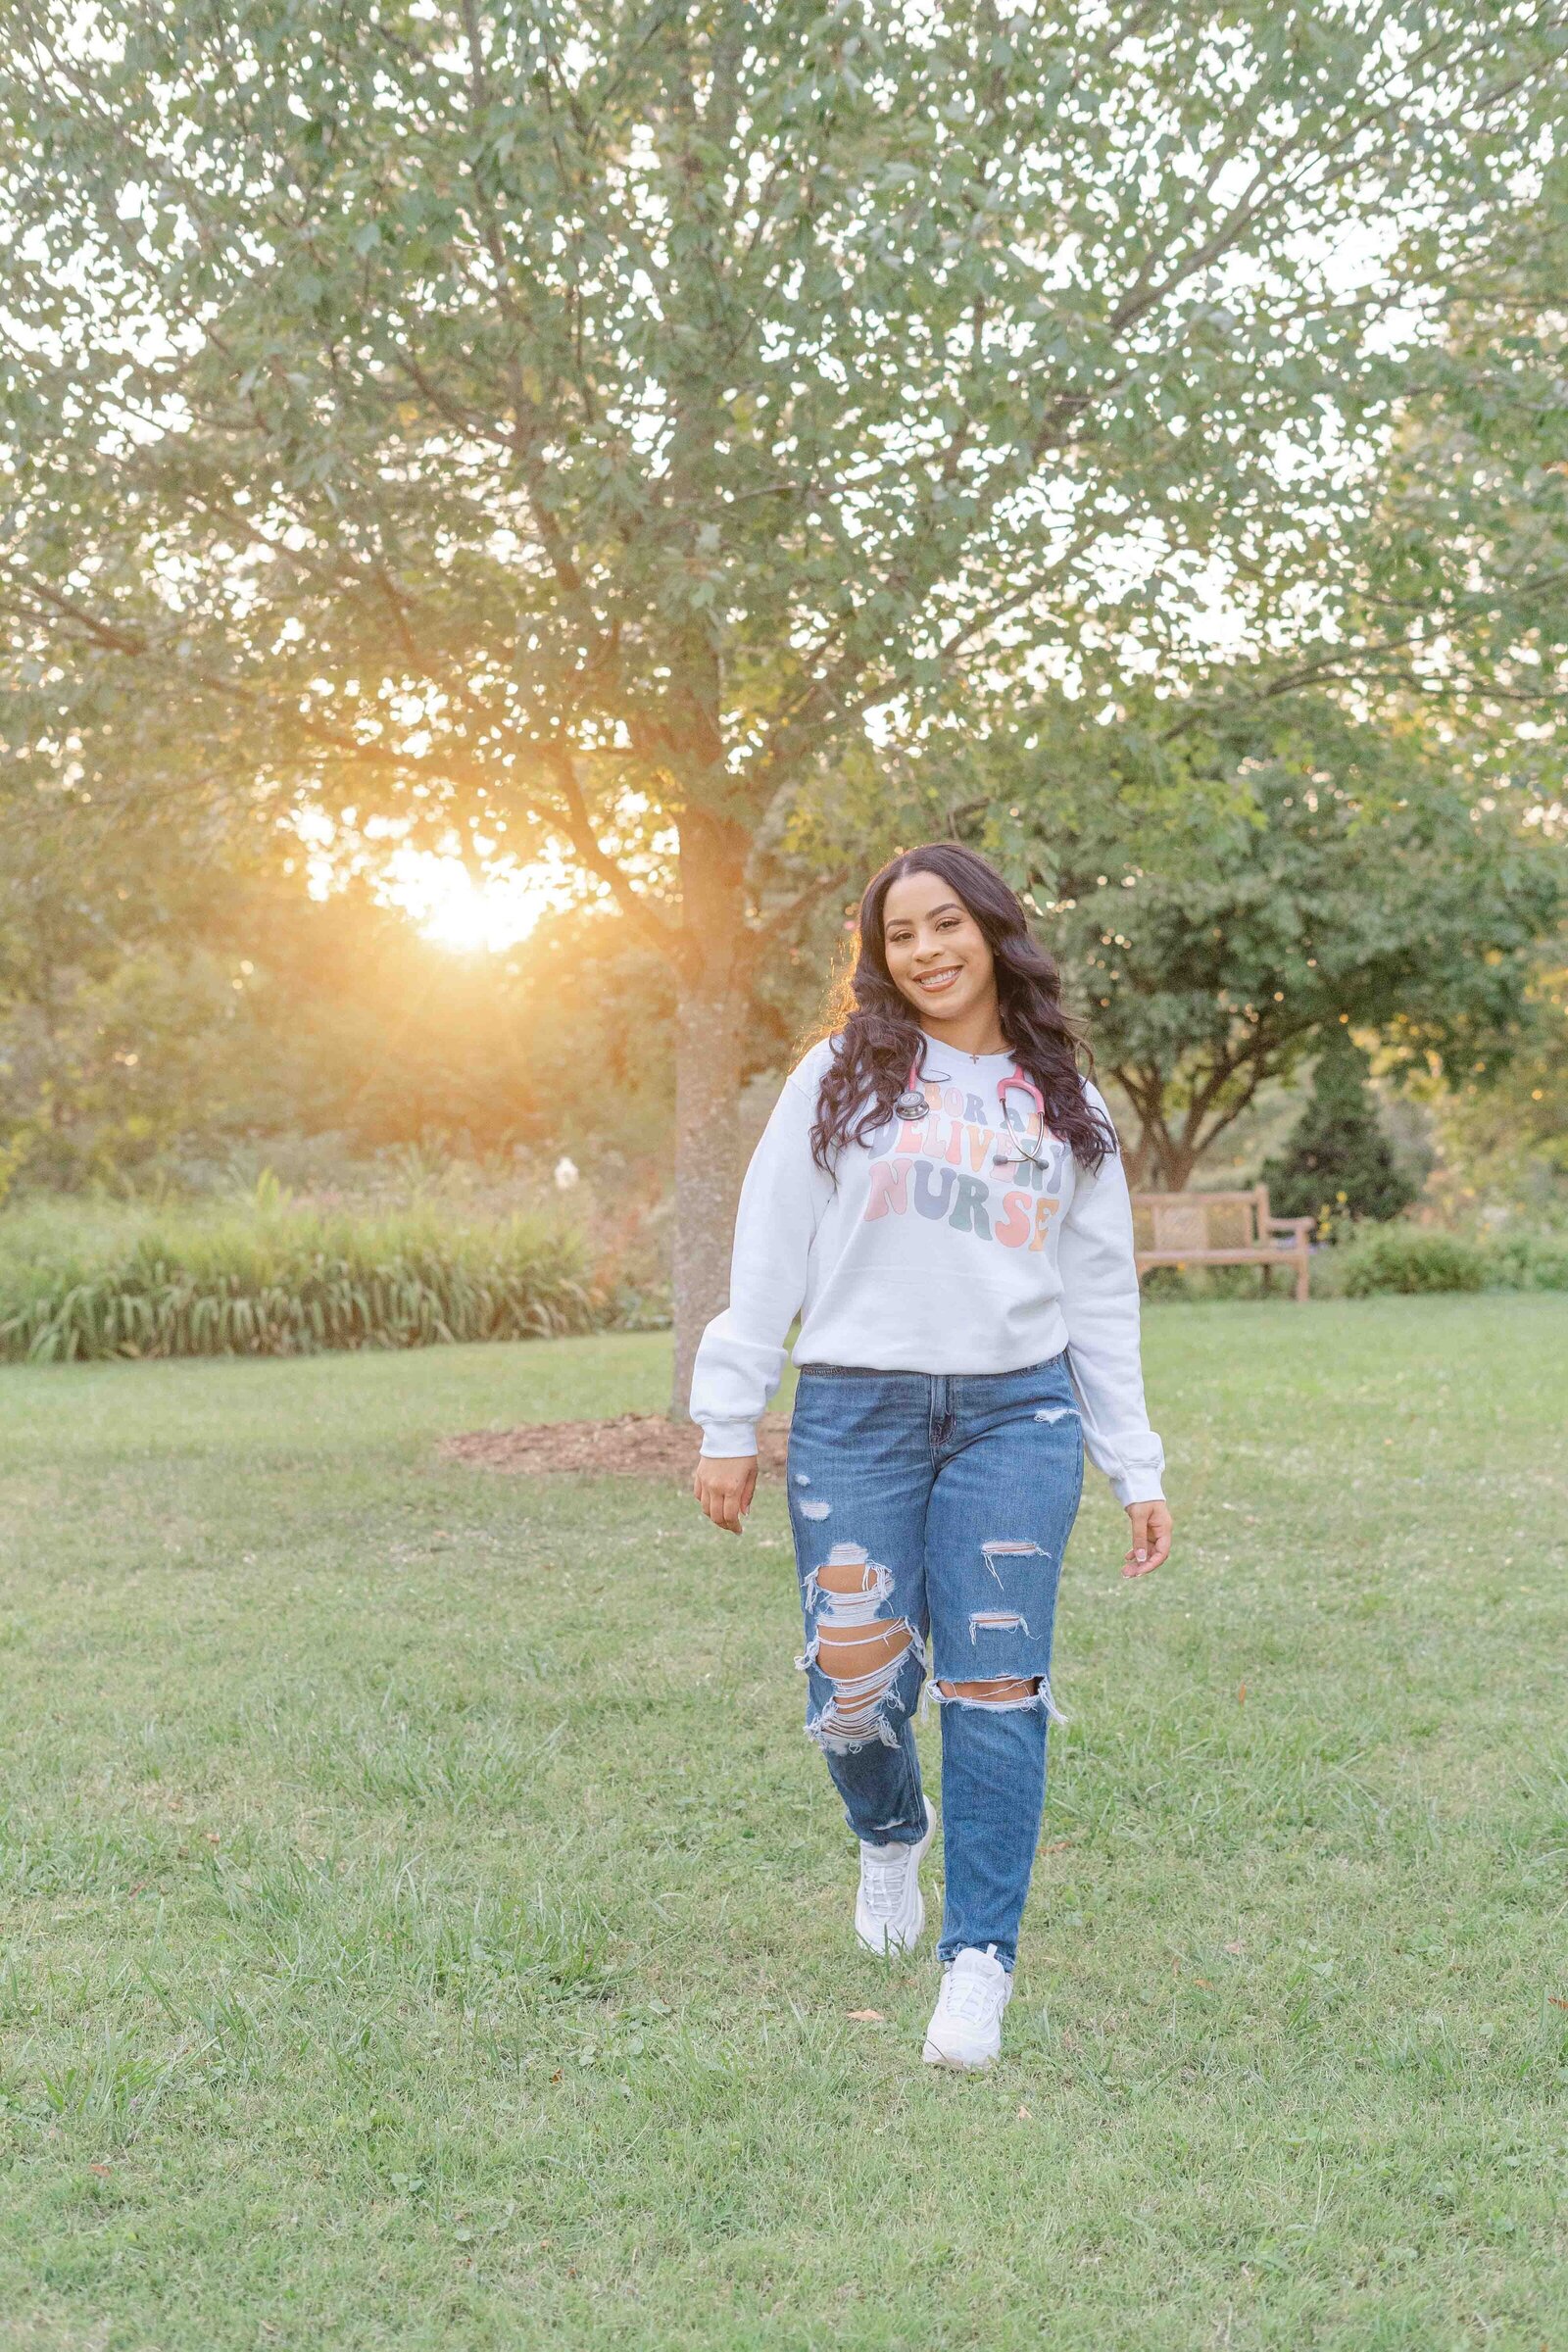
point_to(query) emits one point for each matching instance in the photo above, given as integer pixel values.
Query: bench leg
(1303, 1277)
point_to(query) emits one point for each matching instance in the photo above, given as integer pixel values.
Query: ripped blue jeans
(931, 1512)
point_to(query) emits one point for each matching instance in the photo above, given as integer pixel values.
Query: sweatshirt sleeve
(1100, 1299)
(741, 1353)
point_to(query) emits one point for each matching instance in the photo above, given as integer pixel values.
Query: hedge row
(297, 1282)
(1395, 1258)
(1411, 1258)
(294, 1284)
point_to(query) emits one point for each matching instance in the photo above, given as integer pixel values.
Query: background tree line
(160, 1006)
(727, 441)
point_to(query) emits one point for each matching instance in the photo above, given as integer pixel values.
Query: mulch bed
(642, 1444)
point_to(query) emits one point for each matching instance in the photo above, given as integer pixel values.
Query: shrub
(1529, 1261)
(1409, 1259)
(289, 1283)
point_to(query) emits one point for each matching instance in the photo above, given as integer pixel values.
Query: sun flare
(474, 906)
(469, 913)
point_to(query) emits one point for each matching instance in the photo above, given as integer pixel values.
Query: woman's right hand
(724, 1484)
(1150, 1548)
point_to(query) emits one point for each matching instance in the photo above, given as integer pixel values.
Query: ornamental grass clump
(293, 1283)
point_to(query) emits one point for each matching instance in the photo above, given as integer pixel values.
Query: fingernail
(1142, 1558)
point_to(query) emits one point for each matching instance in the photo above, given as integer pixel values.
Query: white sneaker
(966, 2027)
(890, 1909)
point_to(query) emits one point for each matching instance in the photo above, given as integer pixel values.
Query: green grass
(425, 1926)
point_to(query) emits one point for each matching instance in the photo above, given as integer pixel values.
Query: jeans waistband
(878, 1372)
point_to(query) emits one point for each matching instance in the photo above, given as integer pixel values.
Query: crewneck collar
(962, 1056)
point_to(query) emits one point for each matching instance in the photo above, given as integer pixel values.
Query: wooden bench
(1220, 1229)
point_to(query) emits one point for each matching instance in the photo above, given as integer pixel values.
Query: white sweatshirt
(927, 1256)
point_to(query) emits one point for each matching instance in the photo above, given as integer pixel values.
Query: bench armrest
(1293, 1224)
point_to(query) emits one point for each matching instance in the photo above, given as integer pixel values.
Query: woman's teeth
(932, 982)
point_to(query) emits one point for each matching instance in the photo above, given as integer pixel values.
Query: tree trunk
(1155, 1160)
(1173, 1165)
(710, 1022)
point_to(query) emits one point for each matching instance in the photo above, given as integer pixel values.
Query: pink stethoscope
(911, 1104)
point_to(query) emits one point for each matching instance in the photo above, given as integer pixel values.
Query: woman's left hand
(1151, 1523)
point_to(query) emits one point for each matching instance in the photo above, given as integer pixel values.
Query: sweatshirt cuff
(729, 1438)
(1137, 1485)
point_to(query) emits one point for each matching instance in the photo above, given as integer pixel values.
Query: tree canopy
(1353, 883)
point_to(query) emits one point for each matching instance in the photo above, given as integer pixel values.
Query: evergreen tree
(1337, 1163)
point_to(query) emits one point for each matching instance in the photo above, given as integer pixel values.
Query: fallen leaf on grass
(1237, 1948)
(1557, 2002)
(1058, 1846)
(1024, 2116)
(103, 2170)
(867, 2017)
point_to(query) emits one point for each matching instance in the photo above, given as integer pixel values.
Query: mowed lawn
(425, 1924)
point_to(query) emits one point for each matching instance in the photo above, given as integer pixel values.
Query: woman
(939, 1197)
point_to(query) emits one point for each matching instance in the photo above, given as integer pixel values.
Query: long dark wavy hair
(879, 1035)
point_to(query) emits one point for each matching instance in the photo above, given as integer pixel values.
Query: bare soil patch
(641, 1445)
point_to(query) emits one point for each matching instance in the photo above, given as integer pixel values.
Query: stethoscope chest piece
(912, 1105)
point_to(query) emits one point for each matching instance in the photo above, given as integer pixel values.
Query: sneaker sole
(957, 2066)
(906, 1940)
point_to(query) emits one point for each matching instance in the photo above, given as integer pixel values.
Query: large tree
(1346, 875)
(622, 422)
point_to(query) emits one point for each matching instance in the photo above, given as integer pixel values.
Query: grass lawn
(425, 1924)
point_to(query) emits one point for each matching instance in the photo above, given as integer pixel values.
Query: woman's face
(934, 949)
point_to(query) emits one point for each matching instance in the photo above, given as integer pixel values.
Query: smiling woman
(942, 1258)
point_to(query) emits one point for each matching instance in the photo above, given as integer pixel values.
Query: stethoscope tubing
(912, 1105)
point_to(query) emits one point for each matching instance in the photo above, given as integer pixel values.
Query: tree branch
(138, 646)
(783, 919)
(579, 828)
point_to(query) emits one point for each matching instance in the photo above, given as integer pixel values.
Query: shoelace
(971, 1999)
(883, 1879)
